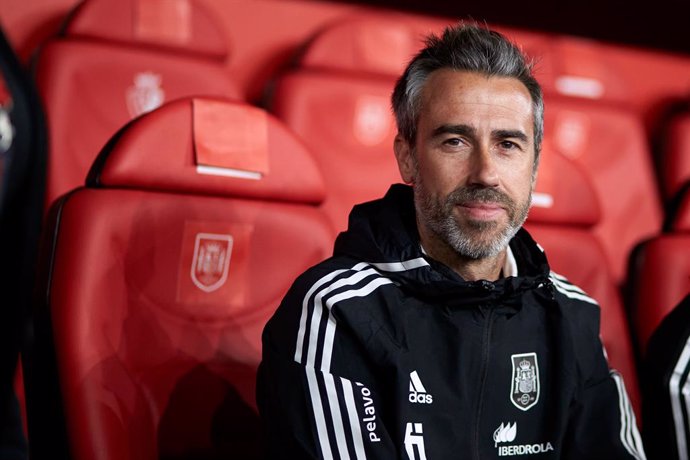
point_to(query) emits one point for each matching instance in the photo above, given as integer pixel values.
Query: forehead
(450, 94)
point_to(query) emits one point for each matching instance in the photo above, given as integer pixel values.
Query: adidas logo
(418, 393)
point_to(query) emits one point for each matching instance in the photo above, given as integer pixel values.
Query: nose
(483, 170)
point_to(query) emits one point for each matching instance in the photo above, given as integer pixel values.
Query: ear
(406, 161)
(535, 175)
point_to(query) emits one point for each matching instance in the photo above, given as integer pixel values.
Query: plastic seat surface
(161, 280)
(116, 62)
(610, 145)
(170, 25)
(353, 145)
(339, 103)
(675, 161)
(662, 275)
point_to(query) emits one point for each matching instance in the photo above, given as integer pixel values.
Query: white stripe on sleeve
(630, 436)
(674, 388)
(357, 438)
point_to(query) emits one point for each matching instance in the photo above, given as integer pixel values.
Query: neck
(469, 269)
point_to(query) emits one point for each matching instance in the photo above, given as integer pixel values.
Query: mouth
(481, 210)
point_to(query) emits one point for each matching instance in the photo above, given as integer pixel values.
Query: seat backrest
(177, 26)
(117, 61)
(338, 101)
(195, 221)
(583, 70)
(661, 274)
(574, 67)
(675, 158)
(609, 143)
(565, 208)
(666, 430)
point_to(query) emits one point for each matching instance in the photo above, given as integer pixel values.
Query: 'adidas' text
(418, 394)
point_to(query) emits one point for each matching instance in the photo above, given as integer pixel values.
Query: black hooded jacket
(381, 352)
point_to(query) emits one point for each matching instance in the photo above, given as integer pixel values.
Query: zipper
(486, 338)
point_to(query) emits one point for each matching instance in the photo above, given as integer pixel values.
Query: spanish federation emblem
(211, 261)
(524, 389)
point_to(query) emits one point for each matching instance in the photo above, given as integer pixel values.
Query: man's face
(472, 162)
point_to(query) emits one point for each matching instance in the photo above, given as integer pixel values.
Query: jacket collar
(384, 232)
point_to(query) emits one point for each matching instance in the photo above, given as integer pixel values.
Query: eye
(508, 145)
(453, 142)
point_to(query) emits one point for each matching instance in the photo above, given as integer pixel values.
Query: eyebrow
(463, 130)
(466, 130)
(510, 134)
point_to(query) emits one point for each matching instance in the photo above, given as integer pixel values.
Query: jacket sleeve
(309, 407)
(665, 379)
(602, 423)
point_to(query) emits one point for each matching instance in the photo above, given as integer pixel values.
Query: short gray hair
(465, 47)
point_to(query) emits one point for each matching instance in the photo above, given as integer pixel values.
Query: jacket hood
(384, 232)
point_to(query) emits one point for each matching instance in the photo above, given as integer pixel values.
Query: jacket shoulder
(568, 293)
(580, 310)
(582, 315)
(290, 315)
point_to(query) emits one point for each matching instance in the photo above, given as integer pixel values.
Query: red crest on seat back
(182, 25)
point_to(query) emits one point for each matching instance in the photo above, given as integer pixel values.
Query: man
(437, 330)
(665, 387)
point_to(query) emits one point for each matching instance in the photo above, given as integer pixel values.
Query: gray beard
(478, 240)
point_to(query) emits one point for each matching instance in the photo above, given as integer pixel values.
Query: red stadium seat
(176, 26)
(609, 143)
(589, 117)
(161, 274)
(661, 275)
(675, 159)
(564, 210)
(576, 67)
(338, 101)
(117, 61)
(582, 70)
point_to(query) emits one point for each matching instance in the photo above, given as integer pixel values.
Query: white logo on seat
(505, 433)
(372, 120)
(418, 393)
(145, 95)
(211, 261)
(414, 437)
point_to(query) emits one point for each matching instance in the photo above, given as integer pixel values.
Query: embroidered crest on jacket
(525, 386)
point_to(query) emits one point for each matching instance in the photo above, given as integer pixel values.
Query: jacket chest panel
(496, 384)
